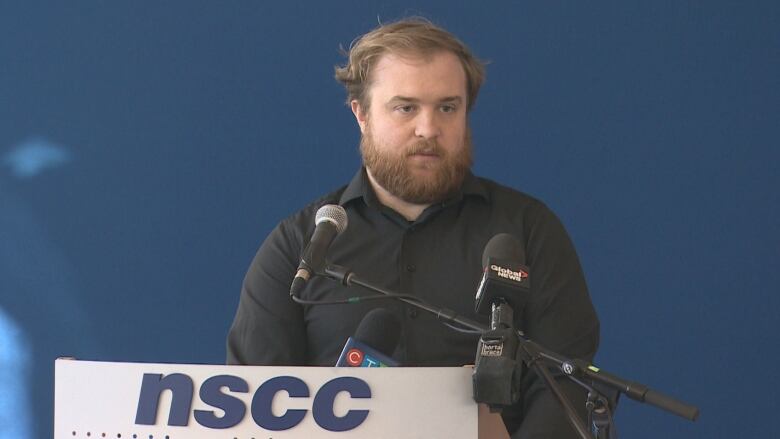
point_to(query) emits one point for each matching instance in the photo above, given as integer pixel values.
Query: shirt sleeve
(268, 328)
(560, 317)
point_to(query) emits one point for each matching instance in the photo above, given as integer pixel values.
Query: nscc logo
(234, 409)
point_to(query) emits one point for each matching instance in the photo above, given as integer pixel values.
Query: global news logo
(506, 273)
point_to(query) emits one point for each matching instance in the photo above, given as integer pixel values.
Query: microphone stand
(529, 353)
(534, 355)
(600, 409)
(346, 277)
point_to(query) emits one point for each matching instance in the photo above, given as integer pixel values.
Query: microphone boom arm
(533, 355)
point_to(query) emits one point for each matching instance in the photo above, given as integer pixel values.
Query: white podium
(99, 400)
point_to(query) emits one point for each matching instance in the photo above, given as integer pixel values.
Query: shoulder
(529, 218)
(301, 223)
(512, 202)
(286, 241)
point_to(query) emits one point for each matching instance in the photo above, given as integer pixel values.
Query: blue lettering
(322, 409)
(152, 387)
(212, 393)
(234, 408)
(261, 403)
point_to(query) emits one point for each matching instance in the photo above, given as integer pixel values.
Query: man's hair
(414, 36)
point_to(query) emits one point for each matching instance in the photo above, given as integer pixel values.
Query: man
(418, 223)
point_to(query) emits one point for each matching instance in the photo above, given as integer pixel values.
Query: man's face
(415, 141)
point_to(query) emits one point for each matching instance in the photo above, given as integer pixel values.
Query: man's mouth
(425, 152)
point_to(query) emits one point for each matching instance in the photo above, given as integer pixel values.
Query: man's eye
(448, 109)
(405, 108)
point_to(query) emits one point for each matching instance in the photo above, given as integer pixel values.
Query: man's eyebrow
(403, 99)
(455, 99)
(398, 98)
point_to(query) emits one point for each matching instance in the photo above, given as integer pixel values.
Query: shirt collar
(360, 187)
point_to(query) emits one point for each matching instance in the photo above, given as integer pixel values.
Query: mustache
(425, 147)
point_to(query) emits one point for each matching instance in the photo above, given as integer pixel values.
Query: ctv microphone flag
(374, 342)
(357, 354)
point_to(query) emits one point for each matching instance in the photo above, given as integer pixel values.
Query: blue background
(147, 148)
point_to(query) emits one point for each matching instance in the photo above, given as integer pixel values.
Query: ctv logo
(358, 358)
(181, 387)
(354, 357)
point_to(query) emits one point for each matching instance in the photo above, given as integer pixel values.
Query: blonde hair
(414, 36)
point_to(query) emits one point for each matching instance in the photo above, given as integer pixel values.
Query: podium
(99, 400)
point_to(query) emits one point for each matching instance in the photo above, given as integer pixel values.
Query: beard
(393, 170)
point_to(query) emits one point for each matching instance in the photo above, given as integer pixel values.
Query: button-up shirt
(438, 258)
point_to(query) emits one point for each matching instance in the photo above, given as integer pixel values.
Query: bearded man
(418, 223)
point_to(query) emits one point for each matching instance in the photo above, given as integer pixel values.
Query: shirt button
(411, 268)
(413, 313)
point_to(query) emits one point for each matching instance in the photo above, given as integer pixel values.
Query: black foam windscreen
(379, 329)
(505, 276)
(505, 247)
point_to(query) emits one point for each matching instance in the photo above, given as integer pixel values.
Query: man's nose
(427, 125)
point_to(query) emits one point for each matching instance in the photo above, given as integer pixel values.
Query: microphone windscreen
(334, 214)
(379, 329)
(505, 276)
(503, 246)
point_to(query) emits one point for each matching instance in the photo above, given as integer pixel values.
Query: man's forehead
(410, 56)
(436, 71)
(412, 59)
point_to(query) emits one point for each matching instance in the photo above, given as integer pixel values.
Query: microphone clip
(497, 373)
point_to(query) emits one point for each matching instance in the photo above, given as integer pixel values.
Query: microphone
(505, 277)
(374, 341)
(330, 220)
(504, 287)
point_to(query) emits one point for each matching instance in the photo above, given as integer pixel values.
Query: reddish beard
(395, 172)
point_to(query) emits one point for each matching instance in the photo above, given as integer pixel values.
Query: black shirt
(437, 258)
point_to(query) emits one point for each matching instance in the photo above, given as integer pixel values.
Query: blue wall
(147, 148)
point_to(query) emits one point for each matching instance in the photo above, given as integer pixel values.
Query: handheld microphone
(374, 341)
(330, 220)
(505, 277)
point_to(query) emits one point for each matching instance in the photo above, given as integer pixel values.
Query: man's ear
(360, 115)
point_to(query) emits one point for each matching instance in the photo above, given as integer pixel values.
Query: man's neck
(410, 211)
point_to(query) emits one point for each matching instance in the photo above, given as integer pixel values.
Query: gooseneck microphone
(330, 221)
(374, 341)
(505, 277)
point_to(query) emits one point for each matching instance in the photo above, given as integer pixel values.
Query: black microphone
(374, 341)
(505, 277)
(504, 287)
(330, 220)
